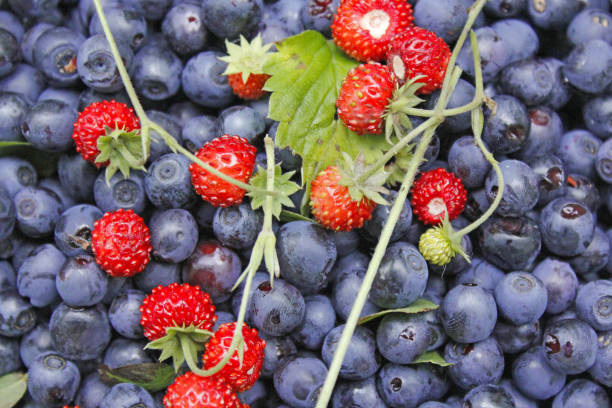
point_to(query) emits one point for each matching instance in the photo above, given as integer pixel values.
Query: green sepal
(123, 150)
(246, 58)
(13, 387)
(150, 376)
(454, 238)
(372, 188)
(419, 306)
(431, 357)
(283, 186)
(181, 344)
(397, 121)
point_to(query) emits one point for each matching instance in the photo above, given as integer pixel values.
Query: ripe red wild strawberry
(436, 192)
(192, 391)
(239, 377)
(418, 52)
(364, 96)
(93, 122)
(332, 205)
(363, 28)
(251, 89)
(121, 243)
(231, 155)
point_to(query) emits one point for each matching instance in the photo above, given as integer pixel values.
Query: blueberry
(170, 125)
(600, 371)
(561, 92)
(122, 352)
(581, 392)
(515, 339)
(521, 191)
(306, 254)
(401, 278)
(174, 235)
(349, 264)
(7, 276)
(357, 394)
(520, 400)
(446, 18)
(469, 313)
(127, 193)
(11, 23)
(277, 310)
(504, 8)
(578, 150)
(468, 163)
(583, 189)
(461, 95)
(53, 380)
(345, 291)
(551, 176)
(157, 273)
(21, 247)
(567, 227)
(482, 273)
(203, 80)
(92, 391)
(126, 24)
(9, 356)
(530, 80)
(474, 364)
(590, 24)
(560, 281)
(73, 228)
(373, 227)
(570, 346)
(55, 55)
(534, 377)
(494, 53)
(126, 396)
(318, 15)
(157, 72)
(184, 28)
(29, 40)
(13, 108)
(7, 214)
(319, 319)
(255, 396)
(36, 276)
(594, 304)
(401, 338)
(488, 396)
(237, 226)
(184, 110)
(16, 174)
(507, 130)
(34, 343)
(595, 257)
(17, 316)
(96, 66)
(596, 112)
(229, 20)
(298, 380)
(25, 81)
(198, 131)
(38, 209)
(603, 162)
(362, 359)
(54, 185)
(214, 268)
(510, 243)
(80, 333)
(587, 67)
(48, 125)
(552, 14)
(241, 120)
(81, 282)
(89, 96)
(277, 349)
(347, 241)
(400, 386)
(67, 95)
(521, 297)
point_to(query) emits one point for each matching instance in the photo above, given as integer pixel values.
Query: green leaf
(12, 388)
(44, 162)
(307, 72)
(282, 185)
(419, 306)
(432, 357)
(150, 376)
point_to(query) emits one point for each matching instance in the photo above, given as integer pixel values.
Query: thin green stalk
(426, 113)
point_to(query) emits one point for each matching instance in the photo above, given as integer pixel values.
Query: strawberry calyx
(283, 188)
(181, 344)
(371, 188)
(246, 58)
(441, 243)
(397, 120)
(120, 149)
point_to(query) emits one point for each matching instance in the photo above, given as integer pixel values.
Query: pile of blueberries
(528, 323)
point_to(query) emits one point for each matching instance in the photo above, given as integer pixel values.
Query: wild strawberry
(192, 391)
(435, 193)
(121, 243)
(95, 121)
(231, 155)
(441, 243)
(245, 67)
(332, 204)
(176, 306)
(418, 52)
(239, 376)
(363, 28)
(364, 96)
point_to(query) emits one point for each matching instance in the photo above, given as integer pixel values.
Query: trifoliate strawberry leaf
(419, 306)
(12, 388)
(150, 376)
(282, 185)
(307, 72)
(432, 357)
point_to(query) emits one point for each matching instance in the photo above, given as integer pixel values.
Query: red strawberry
(364, 96)
(232, 155)
(435, 192)
(192, 391)
(416, 52)
(93, 121)
(363, 28)
(121, 243)
(239, 377)
(176, 306)
(252, 89)
(332, 205)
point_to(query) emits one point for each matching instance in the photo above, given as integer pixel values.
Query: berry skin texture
(231, 155)
(415, 52)
(436, 191)
(435, 247)
(363, 28)
(332, 205)
(252, 89)
(91, 122)
(121, 243)
(192, 391)
(364, 96)
(239, 378)
(176, 306)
